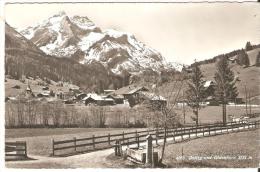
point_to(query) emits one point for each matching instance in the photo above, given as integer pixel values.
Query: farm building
(153, 98)
(156, 101)
(80, 96)
(98, 100)
(131, 93)
(119, 99)
(44, 94)
(209, 88)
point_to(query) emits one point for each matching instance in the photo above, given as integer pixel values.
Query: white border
(2, 106)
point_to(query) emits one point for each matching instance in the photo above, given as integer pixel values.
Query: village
(71, 94)
(129, 96)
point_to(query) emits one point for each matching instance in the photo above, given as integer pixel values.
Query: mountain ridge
(80, 38)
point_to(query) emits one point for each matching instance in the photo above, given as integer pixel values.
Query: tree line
(29, 113)
(242, 57)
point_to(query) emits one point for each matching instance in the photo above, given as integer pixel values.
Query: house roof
(208, 83)
(116, 96)
(97, 97)
(152, 96)
(130, 89)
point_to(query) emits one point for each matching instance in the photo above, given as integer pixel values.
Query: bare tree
(165, 115)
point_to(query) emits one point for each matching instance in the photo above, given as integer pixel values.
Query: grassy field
(239, 150)
(212, 114)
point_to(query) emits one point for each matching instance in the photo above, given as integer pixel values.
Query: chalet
(45, 88)
(156, 101)
(209, 88)
(45, 93)
(80, 96)
(232, 59)
(98, 100)
(69, 101)
(119, 99)
(131, 93)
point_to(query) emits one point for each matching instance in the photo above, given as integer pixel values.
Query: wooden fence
(15, 150)
(80, 145)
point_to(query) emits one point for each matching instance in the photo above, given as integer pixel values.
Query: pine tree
(248, 46)
(257, 63)
(242, 58)
(225, 85)
(196, 91)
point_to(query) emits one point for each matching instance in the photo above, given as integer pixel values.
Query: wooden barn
(98, 100)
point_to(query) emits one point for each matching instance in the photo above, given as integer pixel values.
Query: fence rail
(79, 145)
(15, 150)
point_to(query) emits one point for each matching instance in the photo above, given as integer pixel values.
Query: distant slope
(247, 76)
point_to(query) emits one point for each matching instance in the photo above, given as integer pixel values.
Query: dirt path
(89, 160)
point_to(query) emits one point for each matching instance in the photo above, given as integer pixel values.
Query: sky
(181, 32)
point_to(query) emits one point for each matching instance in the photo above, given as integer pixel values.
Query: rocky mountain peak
(79, 38)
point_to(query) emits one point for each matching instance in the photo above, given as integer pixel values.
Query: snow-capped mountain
(79, 38)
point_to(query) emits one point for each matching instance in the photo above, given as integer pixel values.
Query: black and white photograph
(130, 85)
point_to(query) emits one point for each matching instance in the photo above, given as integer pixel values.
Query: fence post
(165, 134)
(203, 131)
(108, 138)
(181, 134)
(25, 149)
(209, 130)
(149, 150)
(189, 133)
(93, 141)
(75, 144)
(174, 135)
(138, 144)
(127, 142)
(196, 132)
(116, 147)
(156, 136)
(123, 137)
(227, 129)
(53, 147)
